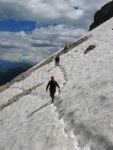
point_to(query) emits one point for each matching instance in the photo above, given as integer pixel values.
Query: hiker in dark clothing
(57, 60)
(52, 87)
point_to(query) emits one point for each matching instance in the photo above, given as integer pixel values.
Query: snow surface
(81, 117)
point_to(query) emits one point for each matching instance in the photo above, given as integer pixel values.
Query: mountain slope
(11, 74)
(9, 70)
(81, 117)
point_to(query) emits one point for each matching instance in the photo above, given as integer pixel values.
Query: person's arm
(58, 86)
(47, 85)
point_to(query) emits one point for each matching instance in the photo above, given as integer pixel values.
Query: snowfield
(81, 117)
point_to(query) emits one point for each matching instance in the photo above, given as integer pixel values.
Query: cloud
(58, 23)
(38, 45)
(4, 46)
(61, 11)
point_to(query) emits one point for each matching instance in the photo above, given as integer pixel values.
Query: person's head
(52, 77)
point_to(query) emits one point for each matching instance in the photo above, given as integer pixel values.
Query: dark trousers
(52, 93)
(57, 63)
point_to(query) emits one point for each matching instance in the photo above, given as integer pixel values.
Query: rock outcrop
(102, 15)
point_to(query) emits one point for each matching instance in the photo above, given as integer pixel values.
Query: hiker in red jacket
(52, 87)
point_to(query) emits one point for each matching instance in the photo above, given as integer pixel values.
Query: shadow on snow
(38, 109)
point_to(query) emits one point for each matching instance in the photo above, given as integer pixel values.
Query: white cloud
(21, 33)
(38, 45)
(61, 11)
(42, 42)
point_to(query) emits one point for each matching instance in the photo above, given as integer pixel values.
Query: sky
(81, 117)
(32, 30)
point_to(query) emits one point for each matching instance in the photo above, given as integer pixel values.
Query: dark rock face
(102, 15)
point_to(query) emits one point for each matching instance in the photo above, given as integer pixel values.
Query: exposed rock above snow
(102, 15)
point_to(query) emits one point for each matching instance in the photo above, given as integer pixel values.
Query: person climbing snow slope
(57, 60)
(52, 84)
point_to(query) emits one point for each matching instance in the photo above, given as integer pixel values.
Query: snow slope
(81, 117)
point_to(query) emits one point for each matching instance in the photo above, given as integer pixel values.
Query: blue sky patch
(16, 26)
